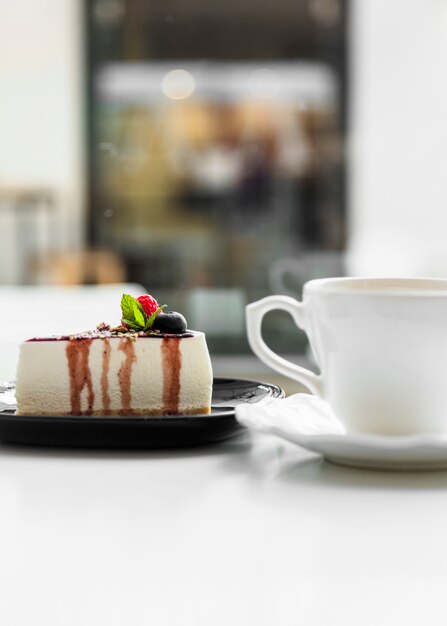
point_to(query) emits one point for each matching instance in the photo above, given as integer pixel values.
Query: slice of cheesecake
(123, 371)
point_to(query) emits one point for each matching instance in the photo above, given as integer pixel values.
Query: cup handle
(254, 315)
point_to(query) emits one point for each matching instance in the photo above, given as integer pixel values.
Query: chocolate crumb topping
(103, 326)
(119, 332)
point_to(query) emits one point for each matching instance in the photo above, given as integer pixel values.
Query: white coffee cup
(380, 345)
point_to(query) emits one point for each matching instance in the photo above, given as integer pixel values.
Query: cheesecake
(150, 364)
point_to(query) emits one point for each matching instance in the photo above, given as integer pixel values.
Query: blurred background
(212, 153)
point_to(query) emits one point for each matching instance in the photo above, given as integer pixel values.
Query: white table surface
(251, 532)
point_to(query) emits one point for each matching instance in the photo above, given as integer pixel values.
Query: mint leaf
(132, 312)
(139, 315)
(131, 324)
(127, 306)
(151, 320)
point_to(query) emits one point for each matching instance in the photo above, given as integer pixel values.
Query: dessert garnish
(149, 304)
(170, 322)
(144, 314)
(140, 316)
(139, 313)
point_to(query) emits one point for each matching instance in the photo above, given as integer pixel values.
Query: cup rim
(358, 286)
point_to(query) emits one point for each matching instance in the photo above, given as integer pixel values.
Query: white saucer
(309, 422)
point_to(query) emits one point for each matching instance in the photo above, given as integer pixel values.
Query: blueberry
(170, 322)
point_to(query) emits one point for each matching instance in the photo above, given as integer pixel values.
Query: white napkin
(7, 396)
(298, 415)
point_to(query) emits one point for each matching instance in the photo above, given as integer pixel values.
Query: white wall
(398, 217)
(398, 214)
(41, 136)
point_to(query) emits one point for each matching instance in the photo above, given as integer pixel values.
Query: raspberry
(149, 304)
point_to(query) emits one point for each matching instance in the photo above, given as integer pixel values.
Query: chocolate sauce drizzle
(105, 377)
(172, 363)
(80, 375)
(125, 375)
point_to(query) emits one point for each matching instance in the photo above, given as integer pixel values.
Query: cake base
(129, 413)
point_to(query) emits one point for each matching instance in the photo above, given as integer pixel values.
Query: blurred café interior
(213, 153)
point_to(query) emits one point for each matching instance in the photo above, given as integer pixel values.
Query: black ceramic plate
(140, 432)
